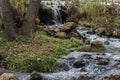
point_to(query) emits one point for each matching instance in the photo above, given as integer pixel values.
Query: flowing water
(91, 70)
(54, 4)
(56, 16)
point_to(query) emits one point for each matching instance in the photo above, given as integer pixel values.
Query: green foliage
(93, 11)
(100, 14)
(59, 46)
(27, 62)
(46, 8)
(5, 44)
(60, 50)
(38, 54)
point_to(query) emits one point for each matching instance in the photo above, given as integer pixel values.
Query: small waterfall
(57, 19)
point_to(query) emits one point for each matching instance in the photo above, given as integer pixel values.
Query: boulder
(106, 42)
(102, 61)
(96, 44)
(8, 76)
(61, 34)
(35, 76)
(73, 34)
(68, 27)
(100, 31)
(79, 63)
(63, 66)
(87, 56)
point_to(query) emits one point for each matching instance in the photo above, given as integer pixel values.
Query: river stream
(93, 65)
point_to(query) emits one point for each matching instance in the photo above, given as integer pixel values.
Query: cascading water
(57, 19)
(91, 69)
(56, 14)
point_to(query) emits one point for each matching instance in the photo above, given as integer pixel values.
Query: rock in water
(106, 42)
(68, 27)
(79, 63)
(8, 76)
(35, 76)
(103, 62)
(96, 44)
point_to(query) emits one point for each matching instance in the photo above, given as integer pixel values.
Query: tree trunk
(7, 17)
(29, 21)
(14, 21)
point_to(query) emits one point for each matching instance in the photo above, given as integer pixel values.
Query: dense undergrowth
(101, 14)
(39, 53)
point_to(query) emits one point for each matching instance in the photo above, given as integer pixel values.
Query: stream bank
(84, 65)
(77, 65)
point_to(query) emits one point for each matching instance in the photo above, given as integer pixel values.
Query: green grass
(97, 13)
(38, 54)
(29, 61)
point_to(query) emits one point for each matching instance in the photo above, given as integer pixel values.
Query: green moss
(88, 48)
(46, 8)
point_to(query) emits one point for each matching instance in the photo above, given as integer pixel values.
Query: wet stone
(103, 62)
(86, 56)
(63, 67)
(85, 77)
(96, 44)
(79, 63)
(35, 76)
(83, 70)
(71, 58)
(106, 42)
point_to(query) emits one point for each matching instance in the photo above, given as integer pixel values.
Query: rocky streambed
(85, 65)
